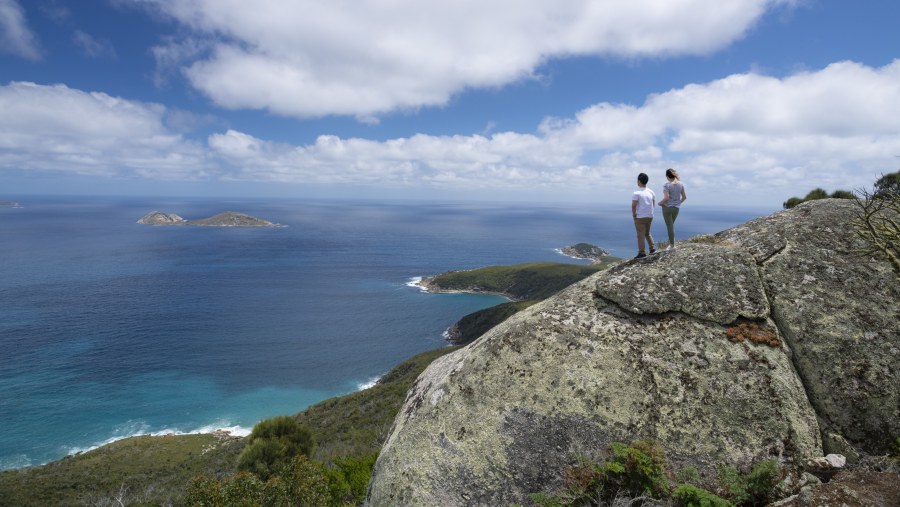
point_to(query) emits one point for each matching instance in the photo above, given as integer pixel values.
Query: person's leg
(639, 227)
(669, 215)
(649, 236)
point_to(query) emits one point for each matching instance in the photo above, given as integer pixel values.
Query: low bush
(818, 193)
(754, 489)
(687, 495)
(272, 444)
(635, 470)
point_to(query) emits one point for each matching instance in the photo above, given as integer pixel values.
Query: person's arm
(683, 195)
(664, 199)
(634, 208)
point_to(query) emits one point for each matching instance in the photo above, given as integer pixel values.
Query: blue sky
(752, 100)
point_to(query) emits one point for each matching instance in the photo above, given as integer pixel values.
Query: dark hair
(643, 178)
(672, 173)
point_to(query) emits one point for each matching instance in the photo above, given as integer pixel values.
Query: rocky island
(225, 219)
(586, 251)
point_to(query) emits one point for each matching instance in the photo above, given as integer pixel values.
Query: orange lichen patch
(752, 331)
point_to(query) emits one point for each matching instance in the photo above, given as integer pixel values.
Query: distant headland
(586, 251)
(225, 219)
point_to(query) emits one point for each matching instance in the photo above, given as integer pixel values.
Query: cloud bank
(57, 128)
(740, 137)
(307, 58)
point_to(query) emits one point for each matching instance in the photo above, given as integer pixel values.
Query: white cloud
(307, 58)
(745, 138)
(15, 36)
(834, 128)
(56, 128)
(838, 124)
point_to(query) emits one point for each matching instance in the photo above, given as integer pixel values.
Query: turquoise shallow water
(111, 329)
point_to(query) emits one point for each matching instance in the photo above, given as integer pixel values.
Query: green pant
(670, 213)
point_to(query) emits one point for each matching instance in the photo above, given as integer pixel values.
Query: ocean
(111, 329)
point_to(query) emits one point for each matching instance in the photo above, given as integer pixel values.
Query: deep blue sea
(110, 329)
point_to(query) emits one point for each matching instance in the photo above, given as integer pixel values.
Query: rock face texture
(760, 341)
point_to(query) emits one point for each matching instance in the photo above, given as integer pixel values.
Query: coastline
(425, 284)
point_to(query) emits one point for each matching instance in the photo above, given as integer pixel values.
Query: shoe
(652, 251)
(670, 248)
(640, 255)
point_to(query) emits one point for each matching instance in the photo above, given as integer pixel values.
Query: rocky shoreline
(426, 283)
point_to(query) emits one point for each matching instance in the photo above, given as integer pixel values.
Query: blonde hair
(672, 173)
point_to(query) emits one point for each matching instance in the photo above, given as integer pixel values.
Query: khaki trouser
(642, 226)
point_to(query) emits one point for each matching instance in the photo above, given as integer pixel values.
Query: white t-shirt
(646, 200)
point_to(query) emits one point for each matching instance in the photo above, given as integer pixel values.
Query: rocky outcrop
(225, 219)
(585, 251)
(160, 218)
(755, 342)
(232, 219)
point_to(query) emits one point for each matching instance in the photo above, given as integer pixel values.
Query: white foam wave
(368, 383)
(140, 428)
(416, 283)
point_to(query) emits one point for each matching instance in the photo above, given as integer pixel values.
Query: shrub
(816, 193)
(205, 491)
(761, 482)
(877, 222)
(793, 201)
(888, 184)
(755, 488)
(637, 469)
(306, 483)
(242, 490)
(687, 495)
(273, 444)
(356, 473)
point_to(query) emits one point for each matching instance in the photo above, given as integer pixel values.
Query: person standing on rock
(673, 196)
(642, 203)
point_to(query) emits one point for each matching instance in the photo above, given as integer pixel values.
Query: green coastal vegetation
(525, 284)
(638, 471)
(886, 185)
(346, 434)
(520, 282)
(817, 193)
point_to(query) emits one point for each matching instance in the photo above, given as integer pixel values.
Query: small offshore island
(9, 204)
(586, 251)
(225, 219)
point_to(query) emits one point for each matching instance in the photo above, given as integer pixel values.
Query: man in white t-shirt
(642, 203)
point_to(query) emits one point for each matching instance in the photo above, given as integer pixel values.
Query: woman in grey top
(673, 196)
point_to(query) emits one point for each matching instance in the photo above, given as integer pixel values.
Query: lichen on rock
(643, 351)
